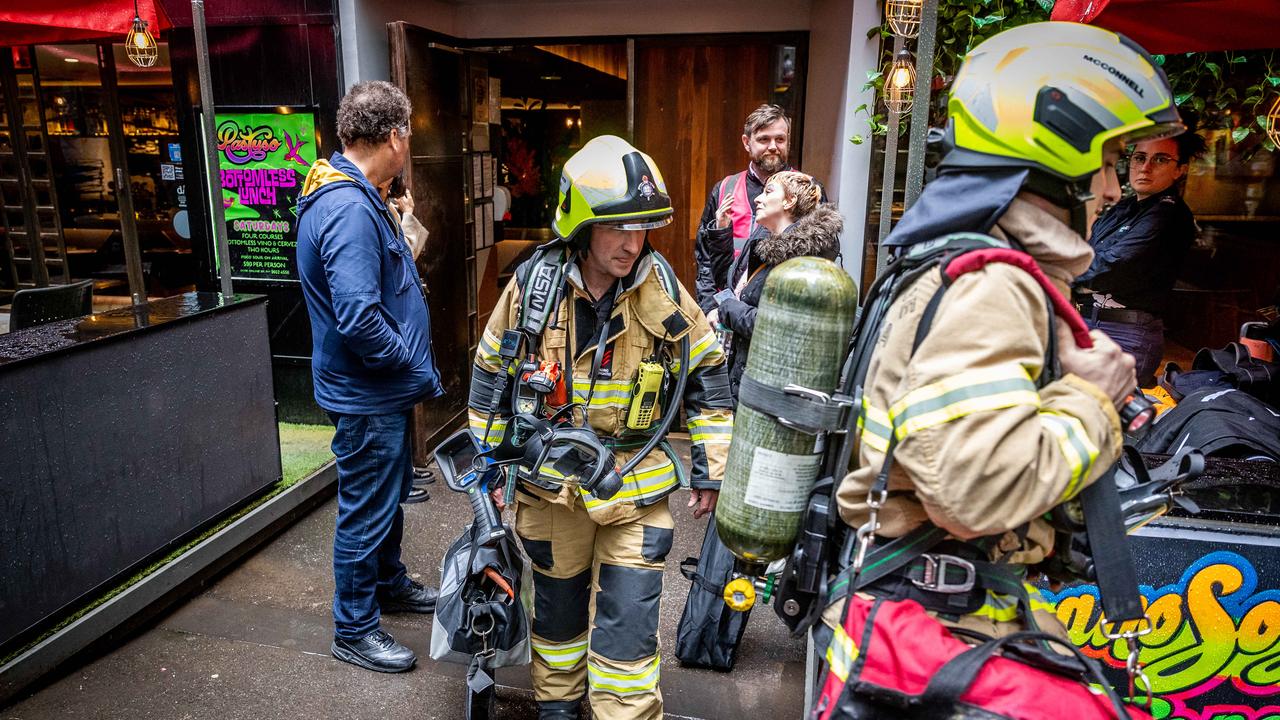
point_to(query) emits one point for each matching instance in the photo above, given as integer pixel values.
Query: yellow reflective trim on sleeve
(1077, 448)
(562, 656)
(488, 348)
(876, 427)
(708, 430)
(706, 348)
(955, 397)
(611, 681)
(496, 431)
(841, 653)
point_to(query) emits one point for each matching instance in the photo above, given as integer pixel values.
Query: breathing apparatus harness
(535, 437)
(947, 575)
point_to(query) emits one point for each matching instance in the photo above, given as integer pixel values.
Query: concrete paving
(255, 644)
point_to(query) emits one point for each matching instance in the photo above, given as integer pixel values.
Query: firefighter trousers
(597, 590)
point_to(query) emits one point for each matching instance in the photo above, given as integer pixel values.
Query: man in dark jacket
(371, 362)
(728, 219)
(1139, 246)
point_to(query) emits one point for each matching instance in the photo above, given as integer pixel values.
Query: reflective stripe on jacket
(980, 450)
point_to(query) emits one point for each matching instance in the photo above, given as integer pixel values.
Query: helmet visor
(638, 223)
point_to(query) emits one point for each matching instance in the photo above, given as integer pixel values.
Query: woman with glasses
(1139, 245)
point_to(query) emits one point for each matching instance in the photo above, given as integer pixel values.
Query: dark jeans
(1145, 342)
(375, 474)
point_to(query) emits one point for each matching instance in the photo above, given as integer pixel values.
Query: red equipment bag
(891, 659)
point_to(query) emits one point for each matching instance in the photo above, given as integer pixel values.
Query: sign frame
(310, 150)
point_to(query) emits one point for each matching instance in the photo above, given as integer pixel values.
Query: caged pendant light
(904, 17)
(140, 45)
(900, 83)
(1273, 122)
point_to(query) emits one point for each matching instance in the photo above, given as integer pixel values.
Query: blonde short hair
(799, 187)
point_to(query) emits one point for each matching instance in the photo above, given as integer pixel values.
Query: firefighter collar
(650, 292)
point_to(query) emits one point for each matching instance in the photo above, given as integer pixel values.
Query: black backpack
(1221, 423)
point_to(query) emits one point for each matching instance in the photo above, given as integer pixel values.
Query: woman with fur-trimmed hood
(799, 225)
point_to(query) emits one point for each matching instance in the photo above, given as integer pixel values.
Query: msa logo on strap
(541, 288)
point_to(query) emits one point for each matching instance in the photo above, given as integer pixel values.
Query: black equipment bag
(709, 631)
(482, 615)
(1221, 423)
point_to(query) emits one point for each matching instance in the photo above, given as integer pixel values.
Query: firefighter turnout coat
(597, 564)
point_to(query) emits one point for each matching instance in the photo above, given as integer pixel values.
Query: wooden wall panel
(691, 100)
(608, 58)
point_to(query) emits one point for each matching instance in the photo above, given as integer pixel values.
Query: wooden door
(691, 98)
(431, 73)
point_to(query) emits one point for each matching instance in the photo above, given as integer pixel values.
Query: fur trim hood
(817, 234)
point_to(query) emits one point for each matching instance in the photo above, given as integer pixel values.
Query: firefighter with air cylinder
(971, 402)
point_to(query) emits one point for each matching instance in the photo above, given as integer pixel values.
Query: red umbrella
(1178, 26)
(57, 21)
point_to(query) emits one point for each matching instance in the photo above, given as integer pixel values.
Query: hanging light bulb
(1273, 122)
(904, 17)
(140, 45)
(900, 83)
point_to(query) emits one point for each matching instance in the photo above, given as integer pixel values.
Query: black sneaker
(414, 597)
(422, 476)
(377, 651)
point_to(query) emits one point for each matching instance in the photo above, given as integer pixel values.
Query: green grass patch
(303, 450)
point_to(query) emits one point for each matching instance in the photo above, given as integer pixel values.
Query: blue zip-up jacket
(370, 330)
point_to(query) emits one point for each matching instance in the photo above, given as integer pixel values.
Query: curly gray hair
(370, 111)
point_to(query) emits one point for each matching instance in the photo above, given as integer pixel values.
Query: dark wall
(264, 53)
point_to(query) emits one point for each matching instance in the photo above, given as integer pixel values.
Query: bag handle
(954, 678)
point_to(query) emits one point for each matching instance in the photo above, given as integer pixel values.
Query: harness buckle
(935, 574)
(835, 409)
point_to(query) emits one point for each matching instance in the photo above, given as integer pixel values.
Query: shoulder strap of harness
(540, 282)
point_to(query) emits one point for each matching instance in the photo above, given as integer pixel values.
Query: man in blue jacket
(371, 361)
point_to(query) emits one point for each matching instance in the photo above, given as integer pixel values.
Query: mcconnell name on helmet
(1119, 75)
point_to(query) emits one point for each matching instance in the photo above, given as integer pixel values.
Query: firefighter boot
(560, 710)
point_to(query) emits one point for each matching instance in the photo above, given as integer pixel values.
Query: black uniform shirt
(1138, 248)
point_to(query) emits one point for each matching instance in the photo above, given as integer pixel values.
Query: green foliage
(962, 24)
(1226, 90)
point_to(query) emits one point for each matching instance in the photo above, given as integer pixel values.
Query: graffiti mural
(1213, 652)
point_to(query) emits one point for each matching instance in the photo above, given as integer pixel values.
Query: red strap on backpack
(978, 259)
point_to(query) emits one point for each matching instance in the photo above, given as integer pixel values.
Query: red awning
(1178, 26)
(57, 21)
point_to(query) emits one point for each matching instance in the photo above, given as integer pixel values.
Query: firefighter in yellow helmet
(620, 325)
(979, 424)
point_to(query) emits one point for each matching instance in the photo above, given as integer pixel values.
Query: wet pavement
(255, 644)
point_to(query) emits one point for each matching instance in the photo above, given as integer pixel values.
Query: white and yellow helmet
(609, 181)
(1048, 96)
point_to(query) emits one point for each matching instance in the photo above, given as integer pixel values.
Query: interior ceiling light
(904, 17)
(140, 45)
(900, 83)
(70, 60)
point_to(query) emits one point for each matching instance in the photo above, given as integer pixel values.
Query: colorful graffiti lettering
(240, 145)
(1209, 628)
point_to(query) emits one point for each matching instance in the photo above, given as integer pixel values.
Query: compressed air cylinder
(802, 330)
